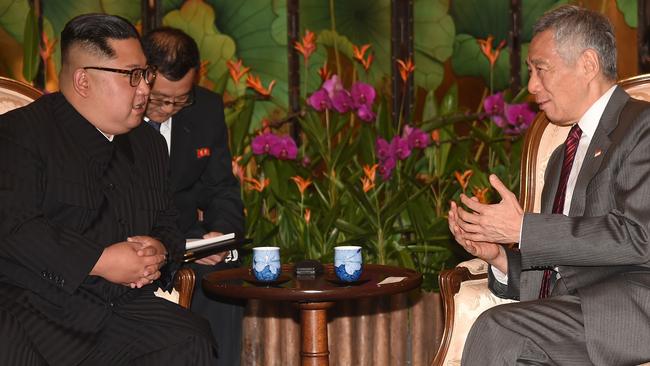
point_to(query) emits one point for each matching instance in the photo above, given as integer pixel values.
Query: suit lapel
(597, 150)
(552, 179)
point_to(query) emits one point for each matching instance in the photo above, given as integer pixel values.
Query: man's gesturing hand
(496, 223)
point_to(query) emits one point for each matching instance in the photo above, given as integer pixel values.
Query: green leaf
(197, 19)
(238, 119)
(252, 25)
(31, 55)
(428, 71)
(450, 101)
(430, 109)
(468, 60)
(433, 28)
(481, 18)
(131, 10)
(12, 17)
(531, 11)
(630, 9)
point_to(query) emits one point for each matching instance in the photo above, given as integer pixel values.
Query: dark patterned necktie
(153, 124)
(570, 148)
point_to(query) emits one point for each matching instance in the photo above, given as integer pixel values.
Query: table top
(240, 283)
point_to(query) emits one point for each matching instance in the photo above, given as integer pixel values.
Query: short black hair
(172, 51)
(93, 31)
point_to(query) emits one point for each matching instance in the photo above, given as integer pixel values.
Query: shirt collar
(166, 123)
(108, 137)
(590, 120)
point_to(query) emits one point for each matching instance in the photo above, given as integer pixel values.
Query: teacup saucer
(335, 280)
(278, 281)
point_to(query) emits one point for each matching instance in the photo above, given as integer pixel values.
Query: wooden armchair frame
(540, 141)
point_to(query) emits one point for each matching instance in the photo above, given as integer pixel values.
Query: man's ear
(590, 63)
(81, 82)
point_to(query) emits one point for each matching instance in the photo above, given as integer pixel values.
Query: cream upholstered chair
(15, 94)
(464, 289)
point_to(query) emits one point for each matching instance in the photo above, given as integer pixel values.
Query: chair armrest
(183, 289)
(465, 295)
(184, 284)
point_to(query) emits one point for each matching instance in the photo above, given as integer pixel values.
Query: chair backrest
(544, 137)
(15, 94)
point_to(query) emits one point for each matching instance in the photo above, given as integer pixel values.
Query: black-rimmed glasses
(135, 75)
(176, 103)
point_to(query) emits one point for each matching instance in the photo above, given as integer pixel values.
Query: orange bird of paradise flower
(406, 68)
(324, 72)
(307, 46)
(254, 83)
(236, 70)
(359, 54)
(481, 194)
(237, 169)
(463, 178)
(307, 215)
(435, 136)
(369, 180)
(301, 183)
(256, 185)
(486, 47)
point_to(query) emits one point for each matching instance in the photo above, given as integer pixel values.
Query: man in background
(191, 120)
(87, 229)
(582, 269)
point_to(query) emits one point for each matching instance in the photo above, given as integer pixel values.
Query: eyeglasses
(135, 75)
(177, 103)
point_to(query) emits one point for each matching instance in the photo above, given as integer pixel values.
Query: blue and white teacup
(266, 263)
(348, 263)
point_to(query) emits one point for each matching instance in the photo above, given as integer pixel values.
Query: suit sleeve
(511, 290)
(620, 235)
(220, 197)
(28, 240)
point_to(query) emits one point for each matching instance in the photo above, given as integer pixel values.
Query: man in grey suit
(581, 270)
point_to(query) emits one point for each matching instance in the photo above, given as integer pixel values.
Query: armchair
(464, 290)
(15, 94)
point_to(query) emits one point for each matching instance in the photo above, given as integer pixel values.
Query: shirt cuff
(501, 277)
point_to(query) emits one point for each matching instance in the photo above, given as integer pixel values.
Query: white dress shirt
(588, 124)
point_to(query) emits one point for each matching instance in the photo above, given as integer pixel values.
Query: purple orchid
(399, 148)
(519, 117)
(284, 148)
(416, 138)
(383, 149)
(386, 168)
(262, 144)
(320, 100)
(342, 101)
(494, 105)
(363, 94)
(365, 113)
(332, 85)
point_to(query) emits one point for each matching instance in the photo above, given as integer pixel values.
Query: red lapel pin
(202, 152)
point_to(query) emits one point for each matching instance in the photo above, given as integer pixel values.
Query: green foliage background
(410, 227)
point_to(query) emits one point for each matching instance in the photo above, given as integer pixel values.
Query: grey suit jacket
(602, 249)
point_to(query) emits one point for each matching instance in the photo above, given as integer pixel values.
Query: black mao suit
(66, 193)
(202, 179)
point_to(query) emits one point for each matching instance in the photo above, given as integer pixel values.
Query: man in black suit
(86, 220)
(191, 120)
